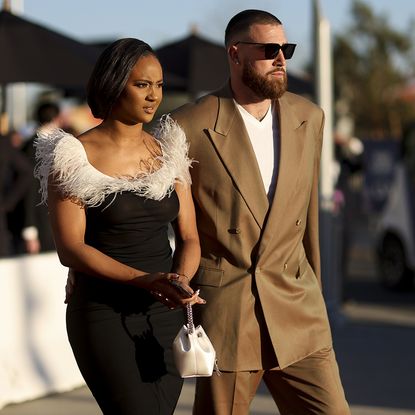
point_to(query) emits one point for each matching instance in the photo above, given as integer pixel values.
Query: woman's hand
(169, 288)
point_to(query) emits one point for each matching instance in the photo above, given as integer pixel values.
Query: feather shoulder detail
(62, 155)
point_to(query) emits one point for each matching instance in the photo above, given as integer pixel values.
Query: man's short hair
(241, 23)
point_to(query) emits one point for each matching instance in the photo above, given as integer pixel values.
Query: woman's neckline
(129, 178)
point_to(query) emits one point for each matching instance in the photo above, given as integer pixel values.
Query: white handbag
(193, 352)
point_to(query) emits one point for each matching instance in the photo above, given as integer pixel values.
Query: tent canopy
(33, 53)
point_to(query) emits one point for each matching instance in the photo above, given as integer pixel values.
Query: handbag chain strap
(191, 329)
(190, 324)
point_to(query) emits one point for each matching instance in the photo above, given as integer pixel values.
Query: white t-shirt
(264, 136)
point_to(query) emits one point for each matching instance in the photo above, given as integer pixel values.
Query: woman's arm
(187, 252)
(69, 223)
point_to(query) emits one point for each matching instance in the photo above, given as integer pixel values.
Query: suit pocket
(302, 267)
(208, 274)
(296, 267)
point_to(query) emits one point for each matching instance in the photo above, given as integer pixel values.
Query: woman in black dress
(112, 193)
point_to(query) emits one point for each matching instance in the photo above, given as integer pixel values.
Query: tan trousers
(309, 387)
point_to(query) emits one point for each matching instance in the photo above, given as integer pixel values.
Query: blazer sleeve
(311, 236)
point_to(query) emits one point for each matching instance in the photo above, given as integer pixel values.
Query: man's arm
(311, 237)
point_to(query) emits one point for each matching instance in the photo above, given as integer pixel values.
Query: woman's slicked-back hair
(111, 72)
(241, 23)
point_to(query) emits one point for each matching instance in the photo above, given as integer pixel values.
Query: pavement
(374, 339)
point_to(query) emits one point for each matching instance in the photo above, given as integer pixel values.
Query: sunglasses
(271, 50)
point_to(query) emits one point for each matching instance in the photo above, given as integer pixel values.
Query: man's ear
(233, 54)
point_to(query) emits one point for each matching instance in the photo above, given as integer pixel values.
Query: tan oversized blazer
(260, 266)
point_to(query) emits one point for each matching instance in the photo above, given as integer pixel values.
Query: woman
(111, 194)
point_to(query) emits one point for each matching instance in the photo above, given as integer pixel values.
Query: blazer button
(234, 231)
(298, 222)
(285, 266)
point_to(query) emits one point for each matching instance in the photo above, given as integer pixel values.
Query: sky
(162, 21)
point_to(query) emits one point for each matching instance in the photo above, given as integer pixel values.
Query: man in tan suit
(255, 186)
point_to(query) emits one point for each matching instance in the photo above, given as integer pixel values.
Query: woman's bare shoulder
(91, 136)
(94, 142)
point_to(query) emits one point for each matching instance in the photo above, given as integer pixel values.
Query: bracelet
(183, 275)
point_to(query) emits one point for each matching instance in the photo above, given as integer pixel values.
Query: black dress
(120, 335)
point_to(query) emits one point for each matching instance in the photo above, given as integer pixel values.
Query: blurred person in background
(15, 177)
(35, 230)
(349, 153)
(255, 189)
(16, 139)
(15, 216)
(112, 193)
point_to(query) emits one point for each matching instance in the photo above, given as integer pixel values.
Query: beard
(263, 87)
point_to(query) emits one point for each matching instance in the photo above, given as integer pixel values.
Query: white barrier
(35, 355)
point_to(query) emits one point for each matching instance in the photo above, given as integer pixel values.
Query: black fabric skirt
(122, 341)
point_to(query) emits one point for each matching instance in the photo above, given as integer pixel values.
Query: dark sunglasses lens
(272, 50)
(288, 50)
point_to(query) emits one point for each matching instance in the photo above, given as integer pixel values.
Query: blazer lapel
(291, 149)
(234, 147)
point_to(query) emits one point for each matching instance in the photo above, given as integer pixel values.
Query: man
(255, 186)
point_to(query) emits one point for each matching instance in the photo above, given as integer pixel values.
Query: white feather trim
(64, 156)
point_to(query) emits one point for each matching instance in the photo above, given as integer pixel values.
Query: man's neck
(257, 110)
(256, 106)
